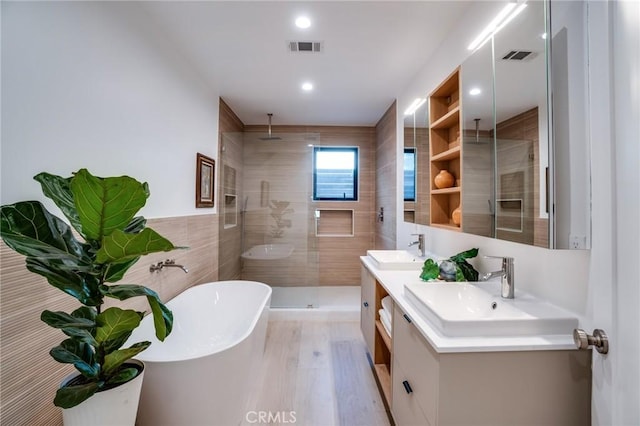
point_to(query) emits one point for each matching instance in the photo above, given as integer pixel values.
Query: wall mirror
(519, 183)
(416, 165)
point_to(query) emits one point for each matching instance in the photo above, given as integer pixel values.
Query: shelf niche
(445, 150)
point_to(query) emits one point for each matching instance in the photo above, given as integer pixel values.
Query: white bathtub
(200, 374)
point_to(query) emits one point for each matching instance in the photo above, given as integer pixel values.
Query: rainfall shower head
(269, 137)
(478, 139)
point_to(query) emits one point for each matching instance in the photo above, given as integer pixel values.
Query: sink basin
(463, 309)
(395, 259)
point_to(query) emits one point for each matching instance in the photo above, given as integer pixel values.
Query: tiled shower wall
(385, 175)
(29, 376)
(230, 175)
(324, 260)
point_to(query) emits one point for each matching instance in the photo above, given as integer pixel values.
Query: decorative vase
(456, 216)
(444, 179)
(116, 406)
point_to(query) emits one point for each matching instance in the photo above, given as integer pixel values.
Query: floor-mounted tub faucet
(506, 273)
(169, 263)
(420, 243)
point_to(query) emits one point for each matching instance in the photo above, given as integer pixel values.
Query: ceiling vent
(306, 46)
(519, 55)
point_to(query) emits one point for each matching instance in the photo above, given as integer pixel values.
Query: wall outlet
(577, 242)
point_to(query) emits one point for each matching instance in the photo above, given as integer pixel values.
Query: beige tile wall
(385, 180)
(316, 260)
(29, 377)
(230, 154)
(523, 156)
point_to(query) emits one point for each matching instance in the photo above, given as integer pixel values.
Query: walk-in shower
(267, 181)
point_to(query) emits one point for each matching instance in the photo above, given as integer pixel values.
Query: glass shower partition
(276, 220)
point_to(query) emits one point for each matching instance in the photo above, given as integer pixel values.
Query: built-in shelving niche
(334, 223)
(230, 211)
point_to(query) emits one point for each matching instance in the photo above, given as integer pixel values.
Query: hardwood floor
(315, 372)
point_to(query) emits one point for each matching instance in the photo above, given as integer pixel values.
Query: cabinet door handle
(407, 318)
(407, 386)
(365, 304)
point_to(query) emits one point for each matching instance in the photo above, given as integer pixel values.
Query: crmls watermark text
(267, 417)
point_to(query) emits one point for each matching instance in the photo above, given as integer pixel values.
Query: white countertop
(394, 282)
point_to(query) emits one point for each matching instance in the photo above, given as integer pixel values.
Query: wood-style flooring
(315, 372)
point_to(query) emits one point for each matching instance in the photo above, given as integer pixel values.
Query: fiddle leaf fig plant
(102, 211)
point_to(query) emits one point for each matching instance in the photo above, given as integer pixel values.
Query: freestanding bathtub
(201, 373)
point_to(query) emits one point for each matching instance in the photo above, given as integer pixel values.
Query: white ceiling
(372, 50)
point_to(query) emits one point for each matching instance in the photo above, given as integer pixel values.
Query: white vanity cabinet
(469, 381)
(367, 307)
(414, 374)
(496, 388)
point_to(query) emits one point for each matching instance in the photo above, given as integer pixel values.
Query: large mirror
(416, 164)
(516, 187)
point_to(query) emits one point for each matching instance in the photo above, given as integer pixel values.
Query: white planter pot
(113, 407)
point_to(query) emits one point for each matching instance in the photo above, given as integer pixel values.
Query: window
(409, 174)
(335, 173)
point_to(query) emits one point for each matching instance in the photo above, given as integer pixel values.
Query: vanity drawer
(418, 361)
(405, 407)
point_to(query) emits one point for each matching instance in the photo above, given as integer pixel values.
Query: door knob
(585, 341)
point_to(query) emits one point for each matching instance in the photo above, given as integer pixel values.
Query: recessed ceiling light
(303, 22)
(475, 91)
(307, 87)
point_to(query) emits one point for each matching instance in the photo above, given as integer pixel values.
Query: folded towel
(387, 303)
(384, 319)
(386, 315)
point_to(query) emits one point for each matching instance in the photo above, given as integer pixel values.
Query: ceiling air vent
(305, 46)
(519, 55)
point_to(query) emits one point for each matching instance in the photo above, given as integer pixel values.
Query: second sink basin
(395, 259)
(463, 309)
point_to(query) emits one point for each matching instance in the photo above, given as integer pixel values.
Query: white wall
(560, 276)
(92, 85)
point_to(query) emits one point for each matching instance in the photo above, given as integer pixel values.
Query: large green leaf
(114, 360)
(83, 287)
(162, 316)
(468, 272)
(58, 189)
(61, 319)
(106, 204)
(116, 343)
(78, 328)
(123, 375)
(28, 228)
(468, 254)
(120, 246)
(116, 271)
(85, 312)
(79, 354)
(114, 323)
(70, 396)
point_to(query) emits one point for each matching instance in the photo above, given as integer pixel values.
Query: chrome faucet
(420, 243)
(506, 275)
(169, 263)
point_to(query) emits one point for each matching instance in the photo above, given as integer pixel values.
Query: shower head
(270, 138)
(478, 139)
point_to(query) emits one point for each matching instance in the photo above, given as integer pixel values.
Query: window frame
(355, 177)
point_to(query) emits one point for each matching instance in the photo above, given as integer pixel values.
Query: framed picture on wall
(205, 172)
